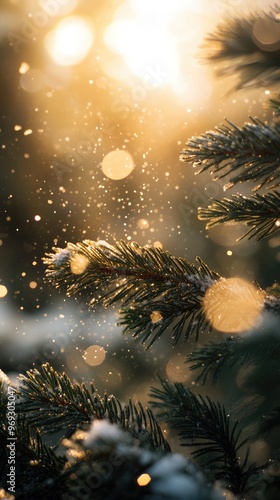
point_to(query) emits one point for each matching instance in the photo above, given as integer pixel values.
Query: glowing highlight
(233, 305)
(70, 41)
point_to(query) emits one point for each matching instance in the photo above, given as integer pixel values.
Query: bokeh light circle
(94, 355)
(233, 305)
(70, 41)
(117, 164)
(3, 291)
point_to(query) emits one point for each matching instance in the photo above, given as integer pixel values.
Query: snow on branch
(156, 289)
(248, 153)
(55, 403)
(261, 213)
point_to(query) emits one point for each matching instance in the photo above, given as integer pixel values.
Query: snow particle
(143, 224)
(24, 67)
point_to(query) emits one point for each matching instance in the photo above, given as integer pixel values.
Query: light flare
(70, 41)
(233, 305)
(147, 49)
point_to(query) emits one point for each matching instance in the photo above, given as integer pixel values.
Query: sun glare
(163, 10)
(147, 49)
(70, 41)
(143, 34)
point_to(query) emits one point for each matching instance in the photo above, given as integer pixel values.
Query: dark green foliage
(102, 461)
(237, 50)
(260, 212)
(146, 280)
(261, 347)
(158, 298)
(248, 153)
(204, 424)
(50, 401)
(54, 403)
(254, 361)
(181, 319)
(46, 395)
(251, 152)
(212, 358)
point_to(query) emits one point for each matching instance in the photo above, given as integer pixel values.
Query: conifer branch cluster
(250, 153)
(242, 46)
(156, 289)
(71, 440)
(104, 449)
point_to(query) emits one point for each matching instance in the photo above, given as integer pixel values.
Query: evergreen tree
(105, 449)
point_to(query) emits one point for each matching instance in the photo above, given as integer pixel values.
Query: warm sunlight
(145, 48)
(151, 41)
(70, 41)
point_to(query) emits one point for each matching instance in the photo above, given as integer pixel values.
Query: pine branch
(246, 47)
(261, 347)
(260, 212)
(212, 358)
(107, 461)
(250, 153)
(52, 402)
(140, 423)
(204, 424)
(32, 449)
(158, 317)
(155, 288)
